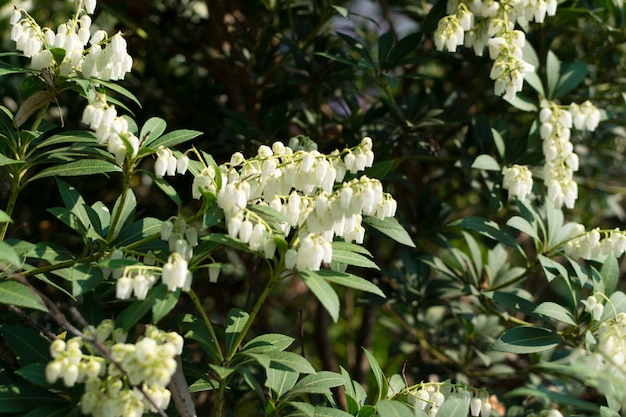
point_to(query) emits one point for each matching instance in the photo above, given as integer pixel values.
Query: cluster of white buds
(560, 160)
(175, 273)
(480, 23)
(518, 180)
(307, 188)
(585, 116)
(135, 280)
(596, 244)
(594, 307)
(110, 391)
(180, 236)
(605, 360)
(167, 164)
(110, 129)
(431, 396)
(105, 58)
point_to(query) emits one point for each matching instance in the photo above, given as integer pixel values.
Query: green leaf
(280, 381)
(268, 341)
(119, 89)
(379, 376)
(527, 339)
(319, 383)
(486, 162)
(367, 411)
(453, 407)
(512, 301)
(139, 308)
(163, 306)
(68, 218)
(83, 276)
(14, 293)
(9, 257)
(553, 72)
(76, 168)
(288, 361)
(555, 311)
(4, 161)
(141, 229)
(379, 170)
(167, 188)
(352, 258)
(523, 225)
(349, 280)
(487, 228)
(28, 345)
(610, 275)
(389, 408)
(122, 213)
(522, 102)
(35, 373)
(176, 137)
(571, 76)
(330, 412)
(21, 398)
(235, 323)
(151, 131)
(196, 330)
(389, 226)
(74, 202)
(342, 11)
(323, 291)
(49, 251)
(551, 268)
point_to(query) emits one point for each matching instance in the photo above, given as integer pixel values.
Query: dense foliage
(305, 207)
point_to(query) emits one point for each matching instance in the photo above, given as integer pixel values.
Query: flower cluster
(596, 244)
(594, 307)
(95, 56)
(431, 396)
(112, 383)
(605, 360)
(134, 280)
(180, 236)
(518, 180)
(489, 23)
(110, 129)
(167, 163)
(307, 188)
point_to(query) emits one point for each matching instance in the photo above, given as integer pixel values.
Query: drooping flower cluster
(110, 392)
(605, 360)
(93, 55)
(489, 23)
(307, 188)
(518, 180)
(167, 163)
(110, 129)
(431, 396)
(596, 244)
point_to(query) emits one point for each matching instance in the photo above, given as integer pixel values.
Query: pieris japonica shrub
(396, 209)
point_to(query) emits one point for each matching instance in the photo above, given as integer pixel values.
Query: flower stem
(196, 302)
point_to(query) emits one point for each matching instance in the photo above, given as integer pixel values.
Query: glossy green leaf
(571, 76)
(379, 376)
(74, 202)
(330, 412)
(162, 306)
(83, 276)
(68, 218)
(151, 131)
(35, 373)
(323, 291)
(551, 268)
(352, 258)
(175, 138)
(389, 226)
(486, 162)
(141, 229)
(553, 72)
(122, 213)
(196, 330)
(235, 323)
(390, 408)
(555, 311)
(119, 89)
(523, 225)
(367, 411)
(349, 280)
(610, 275)
(319, 383)
(139, 308)
(4, 161)
(268, 341)
(49, 251)
(288, 361)
(167, 188)
(9, 257)
(77, 168)
(21, 398)
(28, 345)
(487, 228)
(527, 339)
(17, 294)
(280, 381)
